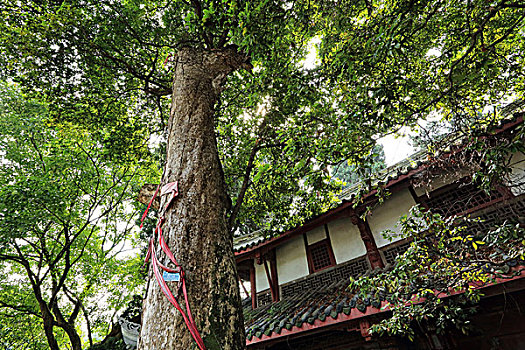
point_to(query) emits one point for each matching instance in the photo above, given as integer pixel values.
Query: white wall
(386, 216)
(346, 240)
(517, 177)
(316, 235)
(291, 260)
(261, 281)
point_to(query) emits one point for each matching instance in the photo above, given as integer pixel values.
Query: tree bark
(196, 224)
(48, 320)
(47, 317)
(74, 339)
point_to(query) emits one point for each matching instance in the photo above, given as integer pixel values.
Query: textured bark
(68, 326)
(74, 339)
(146, 192)
(47, 317)
(196, 225)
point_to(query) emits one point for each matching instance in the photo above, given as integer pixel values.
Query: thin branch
(244, 187)
(33, 143)
(19, 308)
(198, 11)
(514, 5)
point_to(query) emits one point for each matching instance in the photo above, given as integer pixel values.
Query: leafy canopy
(383, 64)
(65, 222)
(104, 65)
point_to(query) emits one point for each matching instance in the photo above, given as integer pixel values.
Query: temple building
(298, 279)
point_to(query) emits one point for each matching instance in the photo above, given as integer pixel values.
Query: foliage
(395, 62)
(382, 64)
(64, 227)
(24, 332)
(445, 257)
(351, 175)
(484, 154)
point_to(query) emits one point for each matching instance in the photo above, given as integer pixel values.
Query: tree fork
(196, 227)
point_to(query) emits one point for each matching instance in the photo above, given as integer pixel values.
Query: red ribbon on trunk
(170, 189)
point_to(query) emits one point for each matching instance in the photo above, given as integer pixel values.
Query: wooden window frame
(504, 191)
(324, 242)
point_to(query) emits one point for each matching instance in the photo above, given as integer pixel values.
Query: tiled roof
(248, 240)
(324, 306)
(311, 305)
(383, 177)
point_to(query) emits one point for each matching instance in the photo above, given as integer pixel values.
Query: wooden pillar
(271, 274)
(253, 286)
(273, 270)
(370, 244)
(309, 261)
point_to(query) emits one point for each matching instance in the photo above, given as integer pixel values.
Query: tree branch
(20, 308)
(244, 187)
(33, 143)
(514, 5)
(198, 11)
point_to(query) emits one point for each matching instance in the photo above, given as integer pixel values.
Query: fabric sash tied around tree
(170, 189)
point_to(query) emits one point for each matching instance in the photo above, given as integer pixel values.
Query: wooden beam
(372, 253)
(270, 282)
(271, 275)
(253, 286)
(308, 259)
(273, 271)
(330, 248)
(244, 287)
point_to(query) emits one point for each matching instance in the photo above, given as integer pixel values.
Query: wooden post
(273, 270)
(271, 275)
(310, 267)
(370, 244)
(244, 288)
(253, 286)
(270, 283)
(364, 327)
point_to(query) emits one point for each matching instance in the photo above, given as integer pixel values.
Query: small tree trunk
(48, 330)
(74, 339)
(69, 328)
(195, 228)
(47, 317)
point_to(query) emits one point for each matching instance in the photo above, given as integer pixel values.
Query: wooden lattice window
(461, 198)
(494, 216)
(320, 255)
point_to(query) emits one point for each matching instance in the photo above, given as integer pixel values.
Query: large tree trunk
(195, 228)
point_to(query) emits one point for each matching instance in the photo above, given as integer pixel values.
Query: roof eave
(499, 286)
